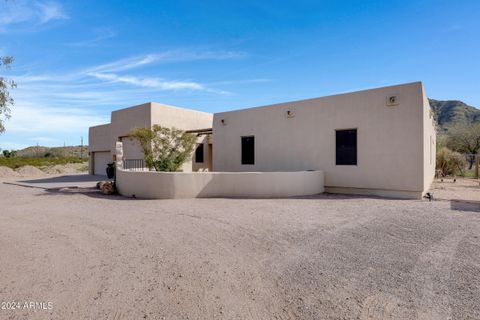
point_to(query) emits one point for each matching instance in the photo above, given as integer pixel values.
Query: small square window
(199, 153)
(248, 150)
(346, 147)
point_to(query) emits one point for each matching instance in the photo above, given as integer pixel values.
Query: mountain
(450, 113)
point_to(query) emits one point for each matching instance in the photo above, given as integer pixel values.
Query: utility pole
(81, 147)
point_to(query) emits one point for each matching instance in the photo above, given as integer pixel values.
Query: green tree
(165, 149)
(6, 101)
(9, 154)
(465, 139)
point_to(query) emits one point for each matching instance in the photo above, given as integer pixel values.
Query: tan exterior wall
(99, 140)
(103, 138)
(390, 139)
(179, 118)
(132, 148)
(170, 185)
(429, 144)
(395, 144)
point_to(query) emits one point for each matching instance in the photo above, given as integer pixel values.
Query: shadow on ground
(71, 179)
(463, 205)
(89, 192)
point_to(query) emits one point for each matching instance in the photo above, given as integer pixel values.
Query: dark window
(199, 153)
(248, 150)
(346, 147)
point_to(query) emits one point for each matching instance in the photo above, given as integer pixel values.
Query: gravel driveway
(323, 257)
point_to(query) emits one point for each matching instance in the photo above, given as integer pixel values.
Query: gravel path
(324, 257)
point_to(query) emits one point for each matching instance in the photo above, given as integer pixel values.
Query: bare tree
(465, 139)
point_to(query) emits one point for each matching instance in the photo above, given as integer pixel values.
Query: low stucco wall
(170, 185)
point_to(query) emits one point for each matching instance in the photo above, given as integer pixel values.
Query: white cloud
(45, 140)
(244, 81)
(156, 83)
(38, 118)
(126, 64)
(167, 56)
(101, 35)
(12, 145)
(50, 11)
(54, 107)
(32, 12)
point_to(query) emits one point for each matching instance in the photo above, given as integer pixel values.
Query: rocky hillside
(68, 151)
(453, 112)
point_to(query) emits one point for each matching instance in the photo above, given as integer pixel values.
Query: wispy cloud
(49, 11)
(50, 107)
(156, 83)
(126, 64)
(29, 12)
(244, 81)
(164, 57)
(100, 35)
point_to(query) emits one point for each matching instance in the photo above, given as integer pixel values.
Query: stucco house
(102, 138)
(379, 141)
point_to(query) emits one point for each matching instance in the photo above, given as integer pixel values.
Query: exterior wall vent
(393, 100)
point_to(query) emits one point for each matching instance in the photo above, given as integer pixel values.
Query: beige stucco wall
(429, 143)
(169, 185)
(180, 118)
(390, 139)
(99, 140)
(131, 148)
(123, 121)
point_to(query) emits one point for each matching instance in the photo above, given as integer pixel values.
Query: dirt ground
(458, 189)
(322, 257)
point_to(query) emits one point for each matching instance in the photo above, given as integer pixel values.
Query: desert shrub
(450, 162)
(165, 149)
(18, 162)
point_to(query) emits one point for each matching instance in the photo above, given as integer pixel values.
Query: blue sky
(76, 61)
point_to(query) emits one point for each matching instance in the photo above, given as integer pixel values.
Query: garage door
(100, 160)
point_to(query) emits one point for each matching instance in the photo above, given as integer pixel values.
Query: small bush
(165, 149)
(450, 162)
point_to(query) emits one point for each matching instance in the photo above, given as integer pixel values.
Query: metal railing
(134, 165)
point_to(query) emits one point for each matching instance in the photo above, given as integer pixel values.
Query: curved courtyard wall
(172, 185)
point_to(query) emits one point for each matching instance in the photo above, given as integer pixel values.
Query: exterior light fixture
(223, 122)
(290, 114)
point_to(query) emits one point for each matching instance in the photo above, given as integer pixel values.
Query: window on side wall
(248, 150)
(346, 147)
(199, 153)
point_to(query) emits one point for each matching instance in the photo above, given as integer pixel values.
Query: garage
(100, 160)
